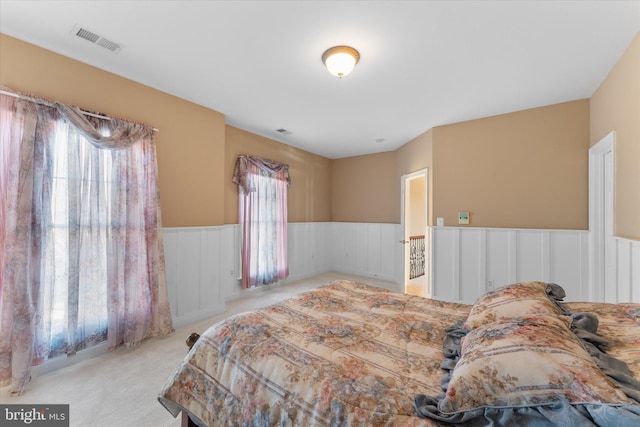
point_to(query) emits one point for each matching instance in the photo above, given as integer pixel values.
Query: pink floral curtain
(263, 186)
(82, 254)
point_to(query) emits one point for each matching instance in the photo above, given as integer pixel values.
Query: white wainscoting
(626, 271)
(202, 267)
(367, 249)
(203, 263)
(308, 249)
(469, 261)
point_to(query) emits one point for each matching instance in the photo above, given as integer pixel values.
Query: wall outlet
(440, 222)
(489, 285)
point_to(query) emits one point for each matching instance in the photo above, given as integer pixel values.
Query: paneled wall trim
(469, 261)
(203, 263)
(626, 272)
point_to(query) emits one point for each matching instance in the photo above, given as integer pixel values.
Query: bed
(351, 354)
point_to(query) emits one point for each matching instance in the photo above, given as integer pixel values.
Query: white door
(416, 240)
(602, 274)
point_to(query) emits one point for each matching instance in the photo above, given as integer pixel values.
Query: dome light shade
(340, 60)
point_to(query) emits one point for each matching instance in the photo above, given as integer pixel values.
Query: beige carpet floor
(120, 388)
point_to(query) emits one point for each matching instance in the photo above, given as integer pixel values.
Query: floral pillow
(528, 362)
(515, 301)
(519, 363)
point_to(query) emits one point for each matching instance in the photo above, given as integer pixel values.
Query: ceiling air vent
(96, 38)
(284, 131)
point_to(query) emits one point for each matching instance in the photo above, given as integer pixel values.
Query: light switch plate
(440, 222)
(463, 217)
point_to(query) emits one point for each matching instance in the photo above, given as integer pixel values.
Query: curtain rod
(86, 113)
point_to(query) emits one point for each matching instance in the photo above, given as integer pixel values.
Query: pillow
(533, 361)
(515, 301)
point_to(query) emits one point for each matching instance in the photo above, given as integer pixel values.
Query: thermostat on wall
(463, 217)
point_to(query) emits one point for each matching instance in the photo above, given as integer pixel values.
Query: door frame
(601, 220)
(404, 209)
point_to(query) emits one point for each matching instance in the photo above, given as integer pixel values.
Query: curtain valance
(246, 165)
(122, 133)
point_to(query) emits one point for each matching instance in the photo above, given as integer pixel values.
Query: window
(76, 231)
(80, 223)
(263, 186)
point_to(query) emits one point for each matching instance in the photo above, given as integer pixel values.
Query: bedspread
(343, 354)
(352, 354)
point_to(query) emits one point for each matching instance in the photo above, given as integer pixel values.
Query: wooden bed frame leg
(191, 339)
(186, 421)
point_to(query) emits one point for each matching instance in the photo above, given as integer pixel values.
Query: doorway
(602, 262)
(416, 239)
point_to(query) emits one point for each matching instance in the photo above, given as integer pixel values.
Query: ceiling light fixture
(340, 60)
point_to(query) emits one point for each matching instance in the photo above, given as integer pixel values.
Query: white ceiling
(423, 63)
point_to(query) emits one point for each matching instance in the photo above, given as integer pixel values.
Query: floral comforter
(343, 354)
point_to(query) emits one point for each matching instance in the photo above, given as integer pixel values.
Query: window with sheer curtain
(263, 186)
(82, 260)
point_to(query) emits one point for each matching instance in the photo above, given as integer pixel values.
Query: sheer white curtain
(263, 187)
(82, 245)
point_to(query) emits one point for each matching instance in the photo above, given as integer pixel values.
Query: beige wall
(416, 155)
(615, 106)
(309, 194)
(190, 138)
(365, 189)
(527, 169)
(417, 204)
(196, 151)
